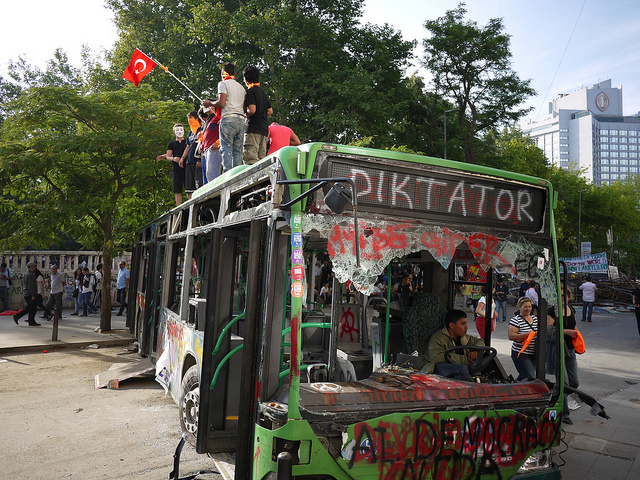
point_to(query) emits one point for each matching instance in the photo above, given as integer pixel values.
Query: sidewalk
(73, 332)
(604, 449)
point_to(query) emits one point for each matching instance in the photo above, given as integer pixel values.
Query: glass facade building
(586, 129)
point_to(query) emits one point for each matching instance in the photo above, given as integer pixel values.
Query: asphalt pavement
(609, 370)
(592, 448)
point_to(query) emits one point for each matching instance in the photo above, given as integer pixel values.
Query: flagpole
(176, 78)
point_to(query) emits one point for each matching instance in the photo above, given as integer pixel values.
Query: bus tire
(190, 404)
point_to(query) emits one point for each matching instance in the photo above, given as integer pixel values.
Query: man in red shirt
(281, 136)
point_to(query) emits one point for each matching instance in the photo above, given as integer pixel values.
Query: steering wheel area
(485, 356)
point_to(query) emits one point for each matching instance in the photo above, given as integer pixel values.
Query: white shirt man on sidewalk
(57, 289)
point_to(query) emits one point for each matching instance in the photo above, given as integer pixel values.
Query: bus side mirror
(338, 197)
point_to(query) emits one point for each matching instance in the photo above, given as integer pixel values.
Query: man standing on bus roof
(257, 106)
(453, 334)
(122, 287)
(281, 136)
(175, 149)
(231, 104)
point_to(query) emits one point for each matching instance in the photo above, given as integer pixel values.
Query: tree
(76, 161)
(471, 66)
(328, 77)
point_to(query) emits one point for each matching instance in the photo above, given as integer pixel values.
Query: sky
(560, 46)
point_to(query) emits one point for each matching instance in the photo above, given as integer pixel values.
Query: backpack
(87, 280)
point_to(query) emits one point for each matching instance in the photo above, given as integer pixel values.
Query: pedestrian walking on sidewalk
(77, 291)
(40, 297)
(502, 292)
(571, 376)
(97, 297)
(88, 282)
(122, 287)
(635, 296)
(588, 298)
(57, 289)
(6, 276)
(29, 290)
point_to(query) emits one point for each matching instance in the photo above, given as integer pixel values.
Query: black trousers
(32, 308)
(57, 299)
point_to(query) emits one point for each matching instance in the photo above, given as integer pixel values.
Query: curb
(60, 345)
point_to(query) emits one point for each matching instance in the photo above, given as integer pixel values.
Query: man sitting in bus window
(453, 334)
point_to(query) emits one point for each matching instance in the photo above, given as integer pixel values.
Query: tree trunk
(105, 315)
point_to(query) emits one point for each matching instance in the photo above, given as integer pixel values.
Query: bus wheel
(190, 403)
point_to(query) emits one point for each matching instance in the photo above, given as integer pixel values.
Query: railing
(67, 263)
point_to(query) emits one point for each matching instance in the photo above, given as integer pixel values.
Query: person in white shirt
(230, 101)
(40, 297)
(588, 298)
(88, 283)
(97, 297)
(57, 289)
(532, 294)
(6, 276)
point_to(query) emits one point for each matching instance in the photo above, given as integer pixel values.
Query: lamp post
(580, 221)
(445, 130)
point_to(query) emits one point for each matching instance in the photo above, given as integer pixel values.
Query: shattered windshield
(381, 240)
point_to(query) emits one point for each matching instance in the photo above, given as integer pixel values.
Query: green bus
(276, 377)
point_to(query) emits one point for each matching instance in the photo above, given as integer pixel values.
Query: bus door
(231, 339)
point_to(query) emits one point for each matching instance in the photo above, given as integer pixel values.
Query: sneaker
(572, 404)
(567, 420)
(74, 313)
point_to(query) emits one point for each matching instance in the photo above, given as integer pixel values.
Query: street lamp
(445, 130)
(579, 221)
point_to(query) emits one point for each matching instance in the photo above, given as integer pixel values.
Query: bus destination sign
(449, 195)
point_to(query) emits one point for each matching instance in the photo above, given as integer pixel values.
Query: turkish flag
(139, 66)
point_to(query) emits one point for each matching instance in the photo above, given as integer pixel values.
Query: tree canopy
(78, 145)
(328, 77)
(471, 66)
(84, 163)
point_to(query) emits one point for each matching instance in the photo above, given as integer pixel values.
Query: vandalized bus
(271, 382)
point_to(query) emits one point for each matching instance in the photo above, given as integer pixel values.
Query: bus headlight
(537, 461)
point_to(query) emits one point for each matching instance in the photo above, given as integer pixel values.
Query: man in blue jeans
(122, 287)
(588, 298)
(230, 101)
(6, 275)
(502, 290)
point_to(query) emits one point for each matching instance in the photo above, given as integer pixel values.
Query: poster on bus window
(475, 273)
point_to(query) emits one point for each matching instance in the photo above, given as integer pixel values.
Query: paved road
(595, 448)
(609, 371)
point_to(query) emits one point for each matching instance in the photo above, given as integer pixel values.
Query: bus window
(175, 268)
(199, 281)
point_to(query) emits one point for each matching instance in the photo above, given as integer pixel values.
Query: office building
(587, 129)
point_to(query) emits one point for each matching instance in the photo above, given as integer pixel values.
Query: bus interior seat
(424, 318)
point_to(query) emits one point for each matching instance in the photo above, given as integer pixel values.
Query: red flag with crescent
(139, 66)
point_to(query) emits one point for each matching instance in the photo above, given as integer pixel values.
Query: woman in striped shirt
(520, 326)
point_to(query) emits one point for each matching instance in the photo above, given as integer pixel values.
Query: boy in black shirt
(257, 107)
